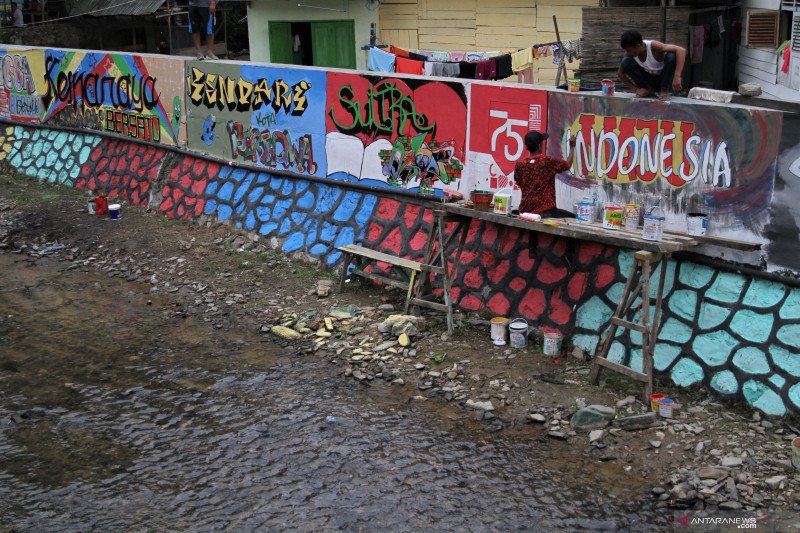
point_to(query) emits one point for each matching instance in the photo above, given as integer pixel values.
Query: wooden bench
(403, 272)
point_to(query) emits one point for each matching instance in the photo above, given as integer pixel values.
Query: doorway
(329, 43)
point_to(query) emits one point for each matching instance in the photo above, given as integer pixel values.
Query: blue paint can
(114, 211)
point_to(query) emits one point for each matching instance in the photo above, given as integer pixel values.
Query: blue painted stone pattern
(311, 218)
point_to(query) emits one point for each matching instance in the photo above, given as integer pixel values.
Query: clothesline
(492, 65)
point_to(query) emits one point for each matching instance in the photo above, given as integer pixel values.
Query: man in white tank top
(650, 67)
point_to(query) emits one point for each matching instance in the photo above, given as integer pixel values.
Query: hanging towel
(571, 49)
(296, 44)
(408, 66)
(427, 68)
(525, 75)
(521, 59)
(787, 56)
(446, 70)
(698, 37)
(476, 56)
(503, 63)
(417, 57)
(467, 70)
(456, 56)
(486, 70)
(380, 61)
(439, 56)
(493, 53)
(398, 51)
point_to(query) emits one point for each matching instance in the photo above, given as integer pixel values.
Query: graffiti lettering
(213, 90)
(133, 125)
(25, 106)
(414, 158)
(387, 111)
(266, 120)
(628, 149)
(16, 74)
(129, 93)
(271, 148)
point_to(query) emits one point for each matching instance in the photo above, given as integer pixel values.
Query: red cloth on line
(397, 51)
(787, 56)
(536, 176)
(408, 66)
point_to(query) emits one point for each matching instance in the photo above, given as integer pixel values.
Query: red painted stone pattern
(122, 170)
(183, 192)
(505, 271)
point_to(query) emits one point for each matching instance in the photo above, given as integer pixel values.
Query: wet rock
(731, 461)
(483, 406)
(592, 417)
(636, 422)
(596, 435)
(628, 400)
(775, 482)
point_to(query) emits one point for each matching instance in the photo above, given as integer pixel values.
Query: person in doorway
(16, 16)
(650, 67)
(536, 177)
(201, 22)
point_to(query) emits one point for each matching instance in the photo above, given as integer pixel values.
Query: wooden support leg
(410, 290)
(345, 266)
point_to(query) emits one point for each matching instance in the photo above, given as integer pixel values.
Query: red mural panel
(395, 132)
(183, 195)
(499, 119)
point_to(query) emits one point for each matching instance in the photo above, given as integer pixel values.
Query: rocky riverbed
(712, 455)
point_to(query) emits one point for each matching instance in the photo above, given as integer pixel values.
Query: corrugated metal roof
(103, 8)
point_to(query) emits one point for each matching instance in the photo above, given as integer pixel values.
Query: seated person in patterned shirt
(536, 176)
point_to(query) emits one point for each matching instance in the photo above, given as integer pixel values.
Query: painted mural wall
(133, 96)
(405, 133)
(735, 334)
(268, 117)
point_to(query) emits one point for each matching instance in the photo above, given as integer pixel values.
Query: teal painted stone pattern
(726, 288)
(725, 382)
(762, 293)
(686, 372)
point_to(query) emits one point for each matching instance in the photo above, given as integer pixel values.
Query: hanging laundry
(504, 66)
(446, 70)
(525, 75)
(712, 34)
(787, 56)
(476, 56)
(572, 49)
(721, 24)
(493, 53)
(397, 51)
(558, 57)
(521, 59)
(697, 34)
(427, 68)
(467, 70)
(380, 61)
(486, 70)
(439, 56)
(544, 51)
(408, 66)
(456, 56)
(416, 57)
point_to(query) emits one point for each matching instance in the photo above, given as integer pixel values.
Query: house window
(762, 29)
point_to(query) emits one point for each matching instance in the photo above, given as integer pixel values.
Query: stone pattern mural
(736, 334)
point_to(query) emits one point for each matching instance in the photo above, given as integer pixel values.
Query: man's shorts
(200, 17)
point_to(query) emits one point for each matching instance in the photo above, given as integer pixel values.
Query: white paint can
(518, 333)
(552, 343)
(696, 224)
(498, 329)
(653, 228)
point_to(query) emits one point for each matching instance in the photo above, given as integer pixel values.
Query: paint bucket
(114, 211)
(608, 87)
(665, 407)
(655, 398)
(498, 329)
(552, 343)
(502, 202)
(574, 85)
(518, 333)
(696, 224)
(631, 216)
(90, 207)
(653, 227)
(584, 212)
(796, 453)
(612, 216)
(481, 200)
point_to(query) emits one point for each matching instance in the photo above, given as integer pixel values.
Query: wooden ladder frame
(641, 270)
